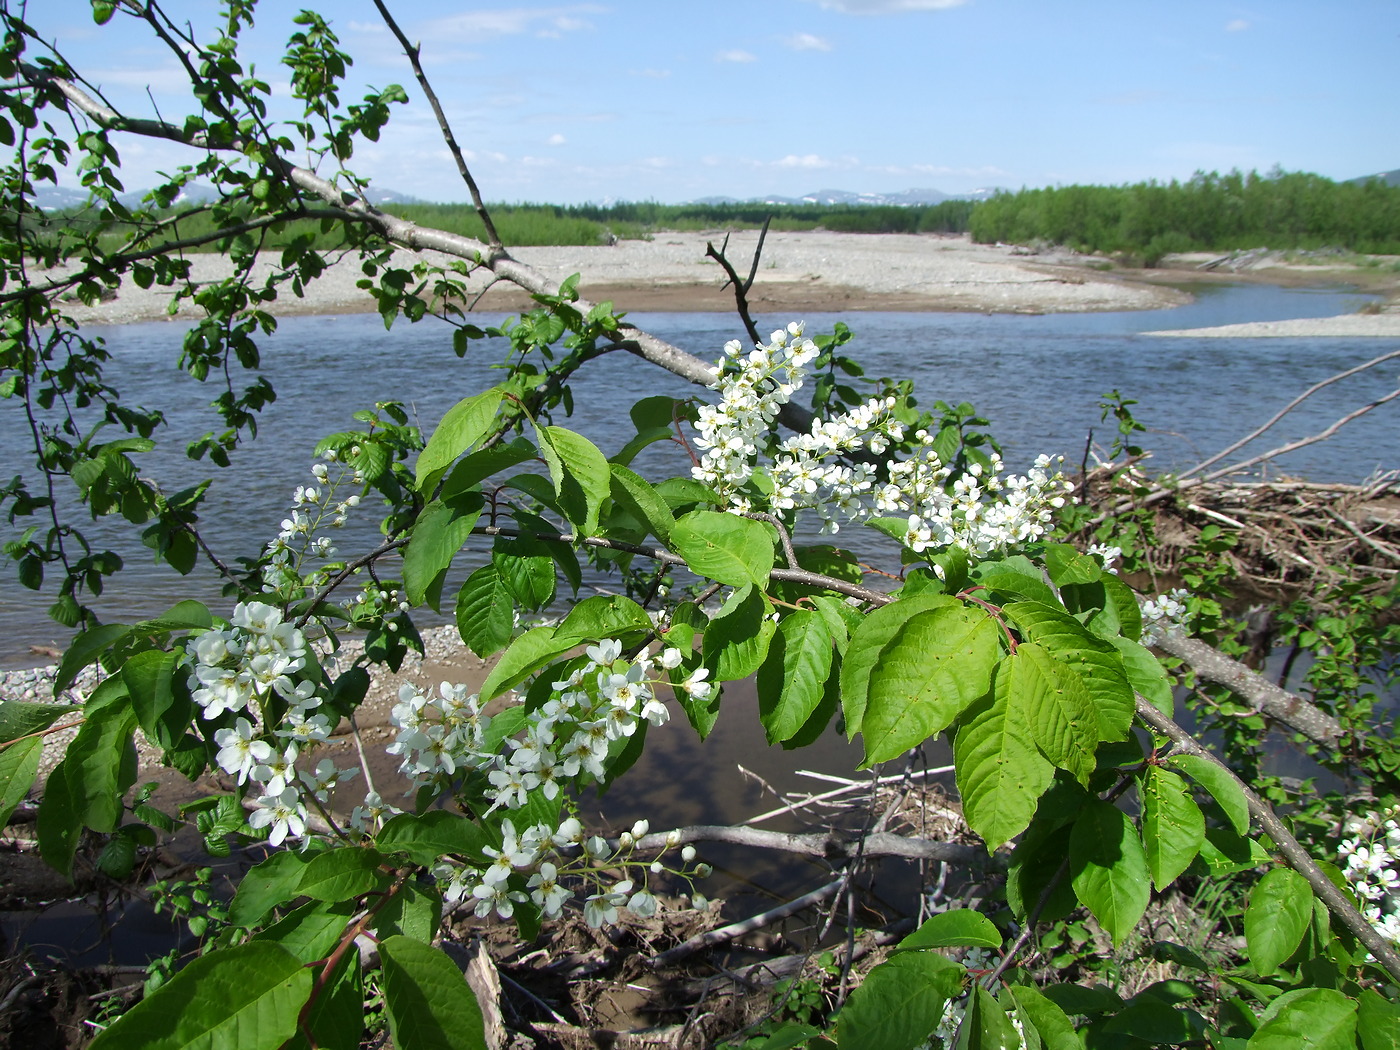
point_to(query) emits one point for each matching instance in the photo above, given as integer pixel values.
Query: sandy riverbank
(818, 271)
(808, 272)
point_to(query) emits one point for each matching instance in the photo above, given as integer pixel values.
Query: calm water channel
(1039, 379)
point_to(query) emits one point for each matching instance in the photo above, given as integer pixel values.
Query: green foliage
(1210, 212)
(1024, 652)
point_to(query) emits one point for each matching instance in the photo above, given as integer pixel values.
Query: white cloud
(653, 74)
(735, 55)
(366, 27)
(1239, 25)
(557, 139)
(807, 160)
(807, 42)
(886, 7)
(482, 25)
(168, 78)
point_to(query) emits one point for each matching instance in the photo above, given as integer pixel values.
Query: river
(1039, 379)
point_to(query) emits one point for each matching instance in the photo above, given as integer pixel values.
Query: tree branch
(1293, 852)
(406, 234)
(412, 51)
(1279, 704)
(833, 845)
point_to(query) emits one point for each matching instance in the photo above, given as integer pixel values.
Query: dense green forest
(537, 224)
(1207, 213)
(1141, 221)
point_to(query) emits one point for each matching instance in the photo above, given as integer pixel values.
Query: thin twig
(1289, 408)
(412, 51)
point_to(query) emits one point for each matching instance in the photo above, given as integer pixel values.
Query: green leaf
(148, 675)
(899, 1003)
(937, 664)
(1061, 712)
(1108, 868)
(602, 616)
(311, 931)
(527, 570)
(20, 718)
(84, 649)
(1221, 785)
(428, 838)
(642, 501)
(1051, 1023)
(960, 928)
(1000, 773)
(274, 881)
(19, 765)
(412, 912)
(1314, 1019)
(1280, 908)
(1146, 674)
(1156, 1022)
(724, 547)
(188, 615)
(439, 533)
(792, 680)
(1378, 1022)
(582, 478)
(337, 1017)
(736, 641)
(863, 651)
(526, 655)
(101, 760)
(485, 611)
(1173, 827)
(1096, 662)
(985, 1025)
(1067, 566)
(59, 823)
(429, 1004)
(1014, 575)
(247, 997)
(343, 873)
(464, 424)
(481, 465)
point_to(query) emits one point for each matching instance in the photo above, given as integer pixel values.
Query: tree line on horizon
(1140, 222)
(1209, 212)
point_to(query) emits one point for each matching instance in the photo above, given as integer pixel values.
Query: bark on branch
(833, 845)
(1279, 704)
(1292, 850)
(402, 232)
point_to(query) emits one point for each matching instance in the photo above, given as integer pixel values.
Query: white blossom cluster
(1371, 862)
(548, 860)
(980, 511)
(602, 701)
(1163, 614)
(240, 669)
(314, 508)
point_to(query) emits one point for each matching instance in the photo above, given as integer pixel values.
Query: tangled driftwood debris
(1288, 535)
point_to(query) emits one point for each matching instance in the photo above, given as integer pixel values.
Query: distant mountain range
(57, 198)
(1390, 178)
(904, 199)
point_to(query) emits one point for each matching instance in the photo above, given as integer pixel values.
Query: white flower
(239, 751)
(283, 812)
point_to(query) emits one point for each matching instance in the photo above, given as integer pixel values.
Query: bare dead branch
(835, 845)
(412, 51)
(1288, 408)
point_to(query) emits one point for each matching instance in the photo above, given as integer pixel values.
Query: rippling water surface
(1038, 378)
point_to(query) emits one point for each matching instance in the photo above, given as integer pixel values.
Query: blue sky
(656, 99)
